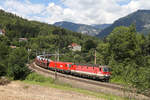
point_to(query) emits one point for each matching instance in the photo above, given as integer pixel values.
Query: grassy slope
(37, 79)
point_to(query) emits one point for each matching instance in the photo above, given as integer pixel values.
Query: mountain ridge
(140, 18)
(82, 28)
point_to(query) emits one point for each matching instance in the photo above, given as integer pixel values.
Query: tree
(124, 46)
(123, 43)
(103, 53)
(89, 44)
(17, 64)
(129, 57)
(4, 51)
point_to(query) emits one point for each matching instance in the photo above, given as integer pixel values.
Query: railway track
(88, 84)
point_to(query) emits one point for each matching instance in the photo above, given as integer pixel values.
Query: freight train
(83, 70)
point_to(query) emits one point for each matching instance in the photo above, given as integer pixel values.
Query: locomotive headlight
(61, 65)
(100, 74)
(106, 75)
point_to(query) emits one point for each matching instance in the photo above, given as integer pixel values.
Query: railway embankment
(91, 85)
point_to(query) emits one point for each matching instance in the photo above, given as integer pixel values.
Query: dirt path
(21, 91)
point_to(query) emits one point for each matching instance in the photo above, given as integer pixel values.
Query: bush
(38, 78)
(4, 81)
(17, 60)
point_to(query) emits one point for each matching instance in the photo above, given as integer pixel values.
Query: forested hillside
(41, 38)
(125, 50)
(17, 27)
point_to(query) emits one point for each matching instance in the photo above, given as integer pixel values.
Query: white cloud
(1, 7)
(79, 11)
(104, 11)
(24, 9)
(94, 11)
(139, 4)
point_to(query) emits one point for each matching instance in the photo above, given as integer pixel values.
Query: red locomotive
(90, 71)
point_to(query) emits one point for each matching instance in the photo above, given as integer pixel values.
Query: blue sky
(78, 11)
(124, 2)
(45, 2)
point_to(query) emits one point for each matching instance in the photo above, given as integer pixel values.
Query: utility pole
(95, 57)
(58, 55)
(56, 58)
(28, 56)
(44, 53)
(28, 51)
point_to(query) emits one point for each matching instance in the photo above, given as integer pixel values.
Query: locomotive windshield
(106, 69)
(70, 65)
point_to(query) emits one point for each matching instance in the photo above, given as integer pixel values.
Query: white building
(2, 32)
(74, 47)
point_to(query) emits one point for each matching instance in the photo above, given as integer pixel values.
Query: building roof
(2, 31)
(13, 47)
(23, 39)
(73, 45)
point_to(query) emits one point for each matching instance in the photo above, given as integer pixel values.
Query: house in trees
(23, 39)
(74, 47)
(13, 47)
(2, 32)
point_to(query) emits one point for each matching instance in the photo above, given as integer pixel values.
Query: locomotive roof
(93, 65)
(64, 62)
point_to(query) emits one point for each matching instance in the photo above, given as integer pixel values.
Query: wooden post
(95, 57)
(55, 65)
(58, 55)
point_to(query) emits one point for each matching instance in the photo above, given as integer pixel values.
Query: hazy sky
(78, 11)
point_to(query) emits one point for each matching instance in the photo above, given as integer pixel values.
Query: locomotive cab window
(70, 65)
(106, 69)
(100, 69)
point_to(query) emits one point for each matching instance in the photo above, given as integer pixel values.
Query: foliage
(89, 44)
(4, 80)
(128, 54)
(103, 53)
(17, 64)
(4, 51)
(38, 78)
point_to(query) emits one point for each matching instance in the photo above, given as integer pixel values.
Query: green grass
(37, 79)
(118, 80)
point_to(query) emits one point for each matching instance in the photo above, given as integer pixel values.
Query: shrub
(4, 81)
(38, 78)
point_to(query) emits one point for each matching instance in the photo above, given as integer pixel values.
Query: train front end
(104, 73)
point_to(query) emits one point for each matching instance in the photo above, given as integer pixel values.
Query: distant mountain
(141, 18)
(82, 28)
(101, 26)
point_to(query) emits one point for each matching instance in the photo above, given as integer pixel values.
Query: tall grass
(38, 79)
(118, 80)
